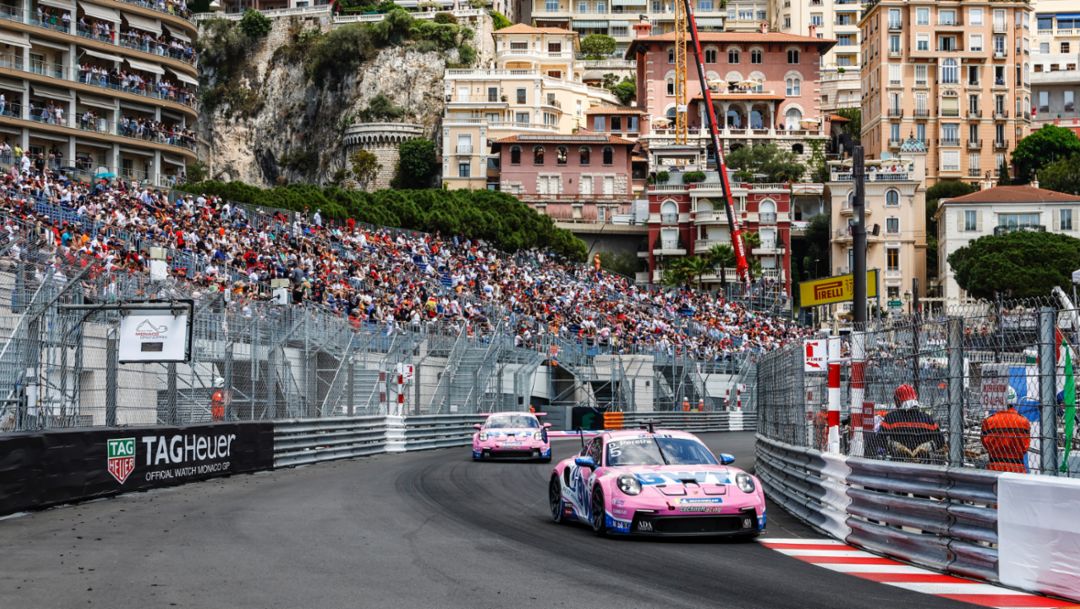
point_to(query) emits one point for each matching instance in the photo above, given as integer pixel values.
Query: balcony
(921, 113)
(1000, 114)
(973, 172)
(771, 249)
(1013, 228)
(974, 144)
(710, 217)
(669, 248)
(950, 113)
(895, 53)
(949, 142)
(895, 143)
(974, 114)
(895, 26)
(767, 218)
(1001, 53)
(1001, 144)
(895, 112)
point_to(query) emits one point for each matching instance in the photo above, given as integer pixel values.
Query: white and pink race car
(512, 435)
(663, 483)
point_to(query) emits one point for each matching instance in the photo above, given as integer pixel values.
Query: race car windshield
(658, 451)
(513, 422)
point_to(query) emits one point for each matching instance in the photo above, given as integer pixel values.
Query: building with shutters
(1055, 65)
(995, 211)
(100, 87)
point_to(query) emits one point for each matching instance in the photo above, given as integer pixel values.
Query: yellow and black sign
(835, 289)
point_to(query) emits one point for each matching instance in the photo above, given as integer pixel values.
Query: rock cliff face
(294, 133)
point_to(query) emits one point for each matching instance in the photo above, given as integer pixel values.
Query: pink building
(765, 85)
(572, 178)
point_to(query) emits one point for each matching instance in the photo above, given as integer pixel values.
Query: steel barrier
(937, 517)
(696, 422)
(439, 431)
(303, 441)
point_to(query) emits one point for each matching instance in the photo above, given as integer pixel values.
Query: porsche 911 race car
(663, 483)
(512, 435)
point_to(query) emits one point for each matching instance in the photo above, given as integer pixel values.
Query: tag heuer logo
(121, 458)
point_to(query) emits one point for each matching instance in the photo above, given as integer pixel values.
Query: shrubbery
(495, 217)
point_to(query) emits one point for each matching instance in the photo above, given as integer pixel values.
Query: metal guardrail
(695, 422)
(304, 441)
(440, 431)
(941, 518)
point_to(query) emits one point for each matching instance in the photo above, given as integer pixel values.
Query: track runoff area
(431, 529)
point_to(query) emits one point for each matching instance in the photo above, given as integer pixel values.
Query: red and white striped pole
(738, 398)
(858, 390)
(832, 443)
(400, 394)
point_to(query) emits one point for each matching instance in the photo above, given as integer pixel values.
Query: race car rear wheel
(599, 517)
(558, 508)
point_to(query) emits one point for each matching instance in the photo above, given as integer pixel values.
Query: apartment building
(1055, 64)
(995, 211)
(534, 88)
(100, 87)
(834, 19)
(895, 219)
(953, 75)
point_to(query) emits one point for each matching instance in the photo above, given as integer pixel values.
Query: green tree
(1021, 264)
(722, 257)
(365, 167)
(819, 168)
(417, 164)
(816, 260)
(945, 189)
(1042, 147)
(765, 163)
(1062, 175)
(196, 171)
(696, 267)
(597, 46)
(623, 263)
(854, 125)
(255, 24)
(1003, 174)
(499, 20)
(626, 91)
(380, 108)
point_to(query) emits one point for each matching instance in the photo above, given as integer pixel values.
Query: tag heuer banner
(42, 469)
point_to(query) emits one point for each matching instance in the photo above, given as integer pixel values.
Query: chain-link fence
(982, 386)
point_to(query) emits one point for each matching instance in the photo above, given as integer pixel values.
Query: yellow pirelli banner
(835, 289)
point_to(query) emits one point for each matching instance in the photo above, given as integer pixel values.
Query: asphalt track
(418, 530)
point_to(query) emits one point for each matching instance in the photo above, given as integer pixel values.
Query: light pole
(907, 300)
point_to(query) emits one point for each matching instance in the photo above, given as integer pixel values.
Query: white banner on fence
(154, 336)
(1039, 534)
(816, 357)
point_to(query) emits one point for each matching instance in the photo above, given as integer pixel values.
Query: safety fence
(1000, 527)
(990, 386)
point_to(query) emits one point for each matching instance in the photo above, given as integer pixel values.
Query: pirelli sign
(835, 289)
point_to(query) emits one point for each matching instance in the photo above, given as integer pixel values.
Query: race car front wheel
(558, 513)
(599, 520)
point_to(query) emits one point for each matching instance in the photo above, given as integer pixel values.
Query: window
(585, 184)
(894, 43)
(584, 155)
(950, 160)
(515, 155)
(609, 155)
(671, 55)
(755, 56)
(733, 56)
(950, 132)
(946, 17)
(464, 169)
(895, 72)
(1070, 101)
(710, 55)
(950, 105)
(550, 119)
(669, 212)
(973, 75)
(521, 96)
(1018, 220)
(555, 48)
(922, 42)
(1065, 219)
(464, 144)
(671, 86)
(974, 164)
(705, 5)
(1044, 101)
(920, 74)
(892, 259)
(894, 132)
(949, 72)
(583, 6)
(1065, 47)
(598, 123)
(551, 6)
(975, 16)
(892, 198)
(601, 7)
(616, 123)
(1044, 47)
(521, 118)
(794, 86)
(894, 19)
(922, 16)
(970, 220)
(973, 132)
(787, 22)
(817, 20)
(975, 42)
(1046, 22)
(947, 43)
(793, 56)
(493, 94)
(892, 226)
(538, 155)
(560, 155)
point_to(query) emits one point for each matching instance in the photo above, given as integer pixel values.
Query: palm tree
(696, 266)
(722, 256)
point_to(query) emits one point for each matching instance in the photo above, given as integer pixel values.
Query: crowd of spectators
(133, 82)
(383, 276)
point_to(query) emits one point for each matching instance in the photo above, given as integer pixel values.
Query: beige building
(952, 74)
(100, 85)
(895, 220)
(1055, 64)
(833, 19)
(534, 88)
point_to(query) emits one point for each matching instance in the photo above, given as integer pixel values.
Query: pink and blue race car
(662, 483)
(512, 435)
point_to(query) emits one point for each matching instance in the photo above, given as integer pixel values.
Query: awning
(142, 65)
(173, 161)
(629, 2)
(177, 34)
(144, 23)
(105, 56)
(101, 12)
(589, 23)
(51, 45)
(94, 102)
(711, 21)
(18, 85)
(67, 5)
(184, 78)
(57, 94)
(13, 40)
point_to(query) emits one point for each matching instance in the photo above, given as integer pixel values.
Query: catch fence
(980, 387)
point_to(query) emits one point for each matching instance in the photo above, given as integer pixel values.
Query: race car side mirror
(478, 426)
(585, 462)
(726, 459)
(547, 425)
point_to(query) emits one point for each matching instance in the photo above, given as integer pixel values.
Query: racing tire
(598, 515)
(555, 501)
(545, 459)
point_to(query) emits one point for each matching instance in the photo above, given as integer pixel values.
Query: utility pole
(858, 235)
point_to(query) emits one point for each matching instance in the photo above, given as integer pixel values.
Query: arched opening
(792, 119)
(538, 155)
(669, 212)
(892, 198)
(561, 153)
(797, 148)
(736, 118)
(609, 155)
(583, 155)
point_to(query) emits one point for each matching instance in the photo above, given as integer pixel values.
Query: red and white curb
(838, 556)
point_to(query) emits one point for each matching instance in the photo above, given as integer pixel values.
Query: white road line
(853, 568)
(802, 541)
(836, 553)
(972, 588)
